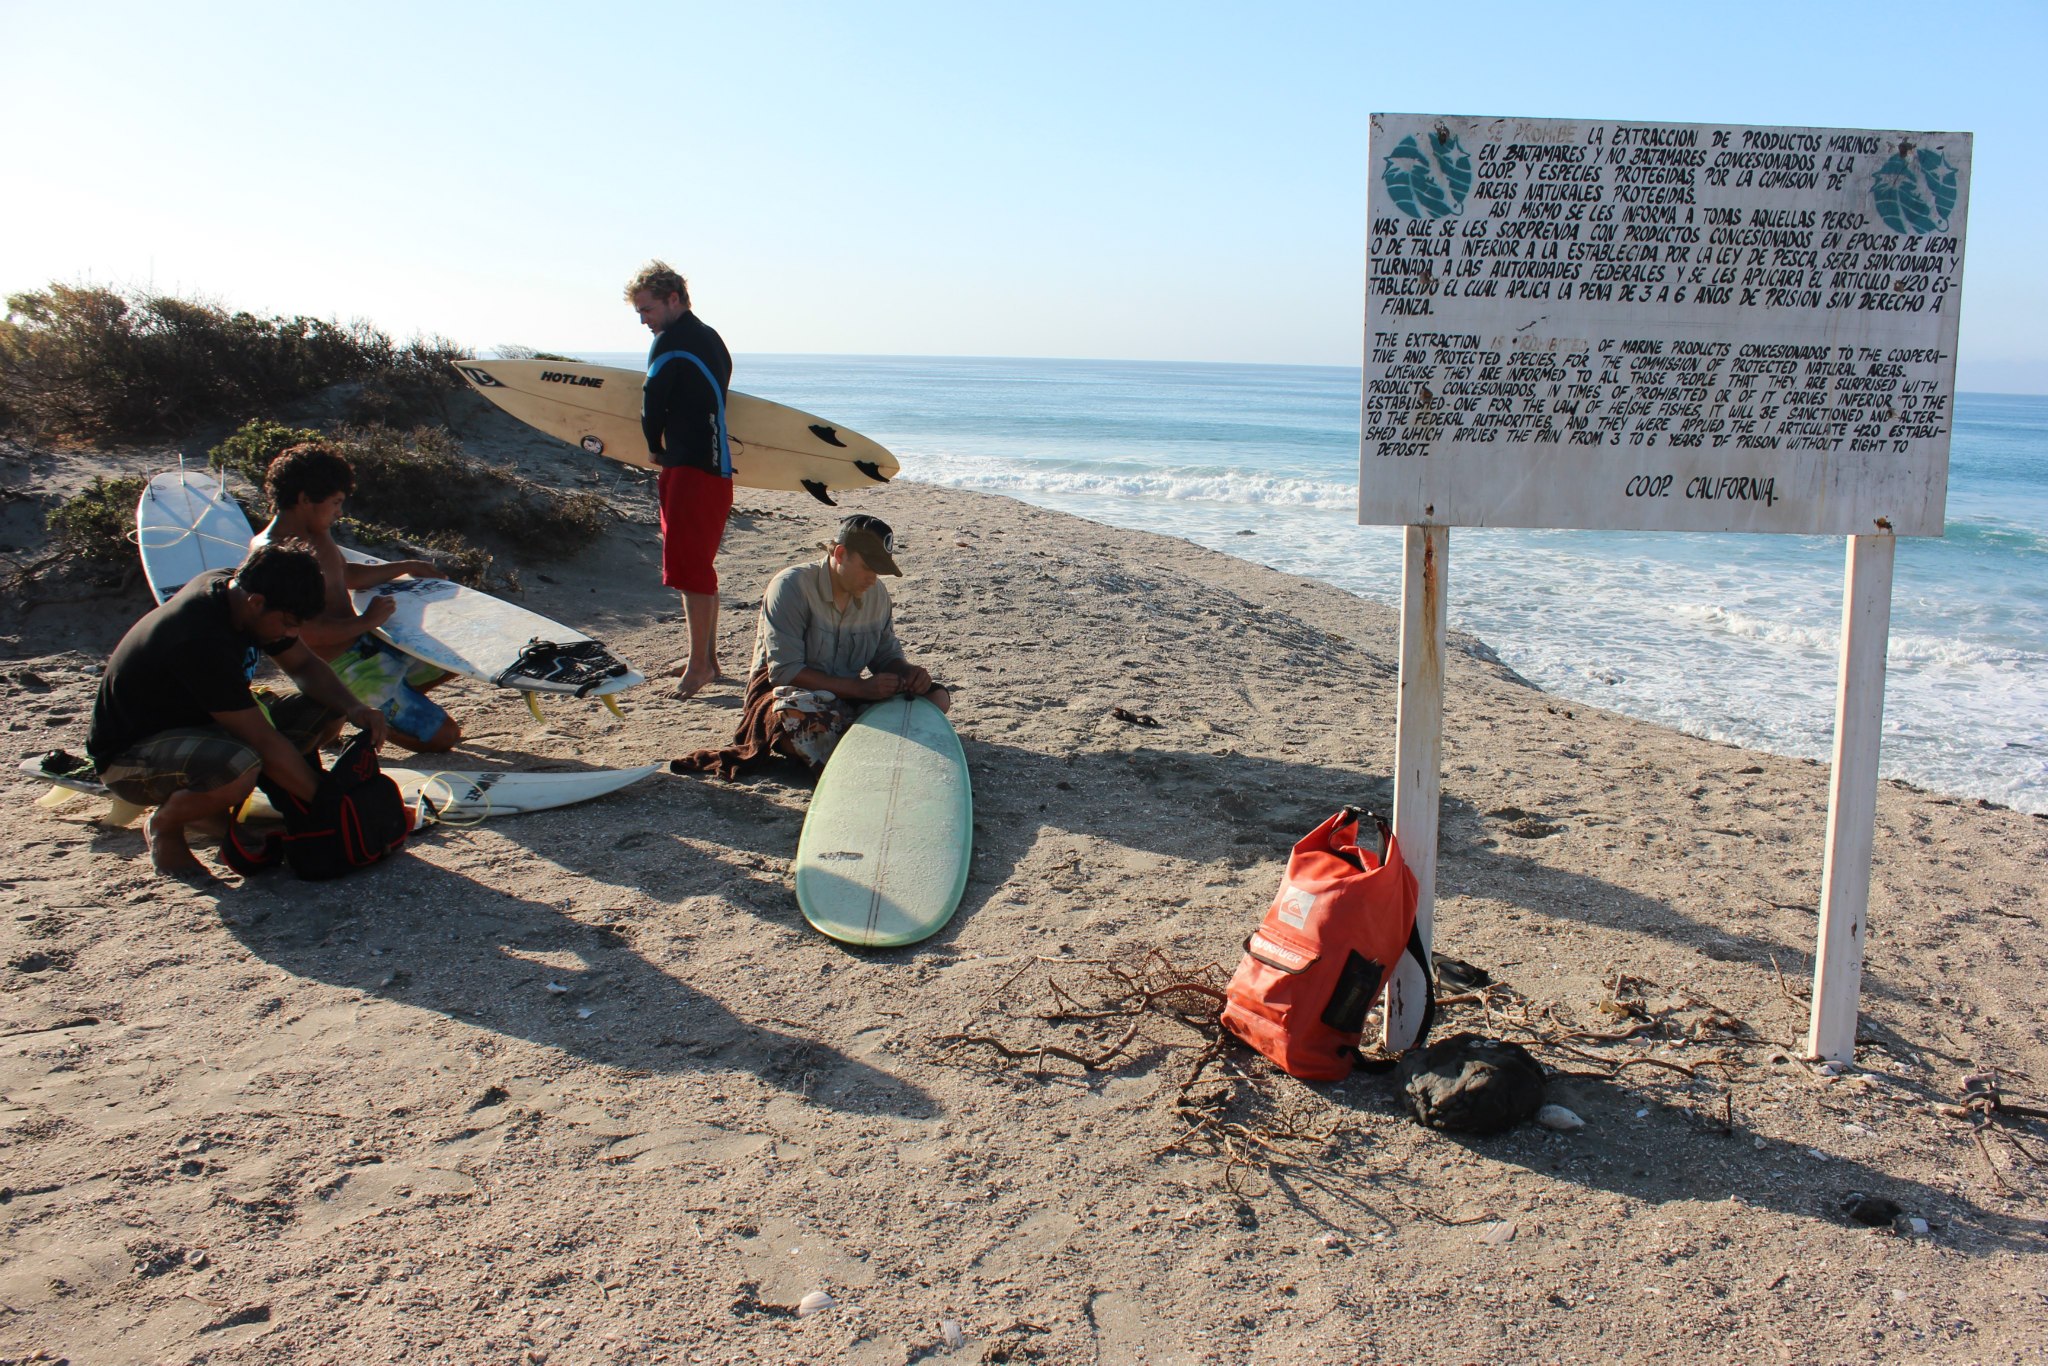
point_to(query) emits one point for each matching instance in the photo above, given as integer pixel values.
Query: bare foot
(692, 682)
(171, 856)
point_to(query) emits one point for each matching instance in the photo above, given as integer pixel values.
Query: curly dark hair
(312, 470)
(288, 578)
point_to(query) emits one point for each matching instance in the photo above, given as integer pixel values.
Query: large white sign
(1660, 327)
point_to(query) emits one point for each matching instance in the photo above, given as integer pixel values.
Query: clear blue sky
(1168, 181)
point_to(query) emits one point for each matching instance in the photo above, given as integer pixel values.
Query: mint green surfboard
(883, 857)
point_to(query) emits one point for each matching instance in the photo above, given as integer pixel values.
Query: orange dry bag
(1317, 962)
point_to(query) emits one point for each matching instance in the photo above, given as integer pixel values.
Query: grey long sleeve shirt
(800, 628)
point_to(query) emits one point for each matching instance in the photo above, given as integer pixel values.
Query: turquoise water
(1731, 637)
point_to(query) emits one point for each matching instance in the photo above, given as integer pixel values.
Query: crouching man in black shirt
(176, 726)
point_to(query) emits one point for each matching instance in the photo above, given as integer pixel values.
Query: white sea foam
(1238, 488)
(1743, 654)
(1720, 620)
(1729, 637)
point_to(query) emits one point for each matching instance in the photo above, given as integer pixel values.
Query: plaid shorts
(206, 758)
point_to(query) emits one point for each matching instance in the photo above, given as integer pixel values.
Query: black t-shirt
(682, 410)
(175, 667)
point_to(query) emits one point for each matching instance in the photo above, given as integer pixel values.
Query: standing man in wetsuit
(682, 411)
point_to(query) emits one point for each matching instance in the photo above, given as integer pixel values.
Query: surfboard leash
(432, 813)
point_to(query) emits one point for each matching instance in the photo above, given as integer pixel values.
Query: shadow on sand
(1243, 809)
(1675, 1152)
(437, 940)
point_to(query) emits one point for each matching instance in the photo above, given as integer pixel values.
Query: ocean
(1729, 637)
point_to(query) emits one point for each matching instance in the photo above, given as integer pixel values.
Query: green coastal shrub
(424, 482)
(415, 384)
(254, 445)
(92, 362)
(419, 487)
(458, 558)
(95, 527)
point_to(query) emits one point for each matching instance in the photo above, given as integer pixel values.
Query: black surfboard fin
(871, 470)
(828, 435)
(817, 491)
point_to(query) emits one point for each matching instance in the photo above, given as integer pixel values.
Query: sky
(1137, 180)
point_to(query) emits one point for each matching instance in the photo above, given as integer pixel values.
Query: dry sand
(357, 1121)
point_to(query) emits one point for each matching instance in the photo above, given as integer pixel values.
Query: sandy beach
(584, 1087)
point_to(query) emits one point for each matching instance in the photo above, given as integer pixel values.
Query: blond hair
(660, 279)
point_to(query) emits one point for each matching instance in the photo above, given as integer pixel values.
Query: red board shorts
(694, 504)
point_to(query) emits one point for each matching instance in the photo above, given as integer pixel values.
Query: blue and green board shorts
(391, 681)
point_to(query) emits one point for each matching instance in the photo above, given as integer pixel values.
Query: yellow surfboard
(597, 408)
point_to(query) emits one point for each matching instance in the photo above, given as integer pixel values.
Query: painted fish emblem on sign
(1915, 190)
(1430, 178)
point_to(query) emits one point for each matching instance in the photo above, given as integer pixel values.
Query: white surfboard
(449, 795)
(471, 633)
(466, 796)
(185, 524)
(597, 407)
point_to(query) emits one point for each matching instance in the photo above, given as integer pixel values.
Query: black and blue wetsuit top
(682, 409)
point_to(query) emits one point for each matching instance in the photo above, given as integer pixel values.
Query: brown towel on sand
(752, 742)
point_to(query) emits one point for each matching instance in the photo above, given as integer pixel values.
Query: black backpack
(356, 817)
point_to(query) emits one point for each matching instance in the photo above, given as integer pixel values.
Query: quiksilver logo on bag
(1275, 954)
(1293, 905)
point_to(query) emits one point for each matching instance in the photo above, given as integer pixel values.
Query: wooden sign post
(1418, 747)
(1852, 798)
(1613, 325)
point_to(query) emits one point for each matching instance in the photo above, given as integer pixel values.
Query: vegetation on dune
(459, 558)
(90, 362)
(96, 363)
(418, 493)
(255, 444)
(420, 489)
(514, 351)
(95, 529)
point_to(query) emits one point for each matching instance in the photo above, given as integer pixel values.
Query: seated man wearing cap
(825, 625)
(825, 634)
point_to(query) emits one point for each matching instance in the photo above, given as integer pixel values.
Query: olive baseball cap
(871, 539)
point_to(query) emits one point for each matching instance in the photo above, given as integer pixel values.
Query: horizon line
(1128, 360)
